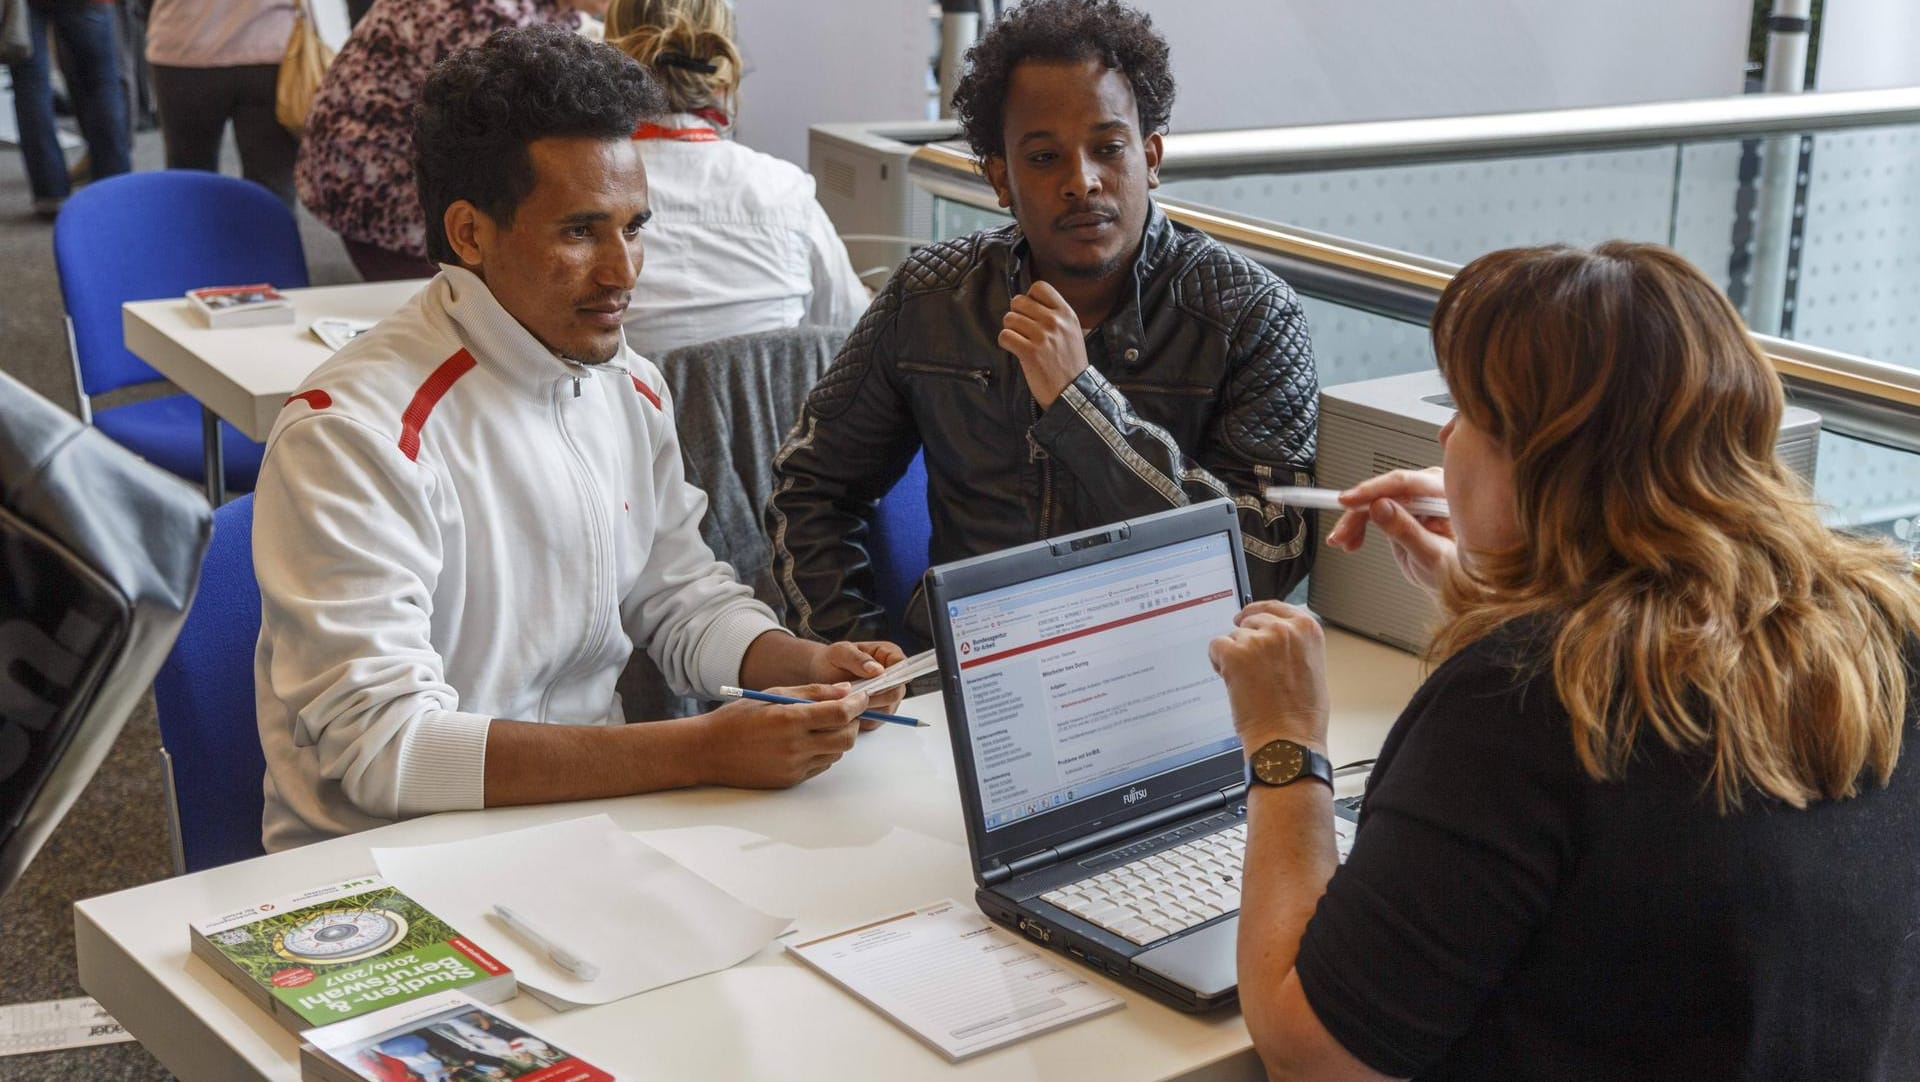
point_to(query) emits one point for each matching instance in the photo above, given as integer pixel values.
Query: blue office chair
(898, 546)
(204, 694)
(142, 236)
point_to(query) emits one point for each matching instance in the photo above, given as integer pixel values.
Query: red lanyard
(683, 135)
(715, 117)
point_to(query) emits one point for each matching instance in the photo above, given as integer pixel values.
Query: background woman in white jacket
(737, 243)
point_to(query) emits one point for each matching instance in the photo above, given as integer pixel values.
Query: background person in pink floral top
(356, 163)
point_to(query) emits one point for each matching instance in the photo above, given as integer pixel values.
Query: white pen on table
(562, 957)
(1328, 499)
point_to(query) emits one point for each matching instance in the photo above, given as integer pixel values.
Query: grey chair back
(734, 401)
(99, 558)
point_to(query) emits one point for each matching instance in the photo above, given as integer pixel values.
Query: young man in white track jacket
(469, 516)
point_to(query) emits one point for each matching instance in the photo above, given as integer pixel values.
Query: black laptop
(1101, 778)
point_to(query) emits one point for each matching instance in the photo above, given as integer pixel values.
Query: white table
(243, 374)
(879, 833)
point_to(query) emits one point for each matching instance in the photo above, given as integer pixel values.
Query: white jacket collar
(499, 341)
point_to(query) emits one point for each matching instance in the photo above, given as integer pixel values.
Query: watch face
(1279, 762)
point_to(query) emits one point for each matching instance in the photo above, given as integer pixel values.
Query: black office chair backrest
(734, 400)
(99, 557)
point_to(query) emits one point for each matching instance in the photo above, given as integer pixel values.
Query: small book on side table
(241, 306)
(344, 950)
(446, 1037)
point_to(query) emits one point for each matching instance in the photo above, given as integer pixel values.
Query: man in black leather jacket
(1092, 362)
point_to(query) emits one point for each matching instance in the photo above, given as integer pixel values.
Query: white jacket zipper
(599, 551)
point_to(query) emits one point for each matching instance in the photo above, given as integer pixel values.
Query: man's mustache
(603, 300)
(1087, 215)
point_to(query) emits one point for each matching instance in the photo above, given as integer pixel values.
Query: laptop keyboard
(1172, 890)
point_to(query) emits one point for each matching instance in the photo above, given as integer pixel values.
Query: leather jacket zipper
(981, 376)
(1189, 390)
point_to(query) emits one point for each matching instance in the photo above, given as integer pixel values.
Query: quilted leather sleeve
(1265, 433)
(1261, 432)
(1273, 396)
(853, 440)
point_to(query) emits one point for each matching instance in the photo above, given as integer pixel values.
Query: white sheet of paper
(54, 1024)
(642, 917)
(956, 980)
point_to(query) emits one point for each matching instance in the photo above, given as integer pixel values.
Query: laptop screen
(1084, 681)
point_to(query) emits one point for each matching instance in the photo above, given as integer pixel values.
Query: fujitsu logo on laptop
(1134, 795)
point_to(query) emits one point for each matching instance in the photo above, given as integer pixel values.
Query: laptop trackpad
(1204, 961)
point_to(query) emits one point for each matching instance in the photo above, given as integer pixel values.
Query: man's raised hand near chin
(1043, 333)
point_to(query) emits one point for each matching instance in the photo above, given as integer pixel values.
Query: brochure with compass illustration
(344, 950)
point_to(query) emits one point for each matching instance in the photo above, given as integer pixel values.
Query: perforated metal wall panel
(1859, 274)
(1863, 484)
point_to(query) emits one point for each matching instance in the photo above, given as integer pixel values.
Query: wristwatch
(1283, 762)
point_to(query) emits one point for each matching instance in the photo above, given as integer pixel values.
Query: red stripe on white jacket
(428, 396)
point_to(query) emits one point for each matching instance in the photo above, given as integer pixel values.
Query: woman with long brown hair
(1649, 816)
(737, 243)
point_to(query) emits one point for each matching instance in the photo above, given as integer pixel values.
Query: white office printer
(1376, 425)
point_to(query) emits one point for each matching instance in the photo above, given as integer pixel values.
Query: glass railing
(1806, 208)
(1368, 307)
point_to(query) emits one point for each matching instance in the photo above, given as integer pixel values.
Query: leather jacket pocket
(979, 377)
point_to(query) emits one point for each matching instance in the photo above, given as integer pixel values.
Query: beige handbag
(301, 71)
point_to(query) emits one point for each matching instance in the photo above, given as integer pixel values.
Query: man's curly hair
(1120, 37)
(482, 107)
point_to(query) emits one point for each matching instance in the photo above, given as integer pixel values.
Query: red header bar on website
(1095, 629)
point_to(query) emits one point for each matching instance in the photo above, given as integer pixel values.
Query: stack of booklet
(954, 979)
(342, 951)
(444, 1038)
(241, 306)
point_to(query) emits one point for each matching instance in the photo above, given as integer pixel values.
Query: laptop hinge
(999, 873)
(1145, 824)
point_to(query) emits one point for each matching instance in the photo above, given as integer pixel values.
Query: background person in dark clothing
(1092, 362)
(215, 62)
(91, 65)
(1649, 819)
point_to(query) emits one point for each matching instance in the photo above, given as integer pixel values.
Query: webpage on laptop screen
(1087, 680)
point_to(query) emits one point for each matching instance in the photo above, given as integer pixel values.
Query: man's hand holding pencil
(758, 745)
